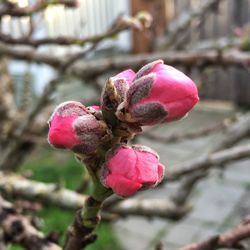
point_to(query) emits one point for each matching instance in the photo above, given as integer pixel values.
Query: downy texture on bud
(129, 168)
(115, 89)
(73, 127)
(159, 93)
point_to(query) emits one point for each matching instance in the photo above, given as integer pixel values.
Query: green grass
(50, 165)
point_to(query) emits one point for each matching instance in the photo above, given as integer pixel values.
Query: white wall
(90, 18)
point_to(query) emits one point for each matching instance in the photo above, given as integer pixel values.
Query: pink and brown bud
(73, 127)
(96, 111)
(130, 168)
(159, 93)
(115, 89)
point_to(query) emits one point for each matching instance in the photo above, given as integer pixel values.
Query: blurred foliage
(50, 165)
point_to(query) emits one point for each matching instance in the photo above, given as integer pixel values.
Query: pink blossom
(159, 93)
(129, 168)
(73, 127)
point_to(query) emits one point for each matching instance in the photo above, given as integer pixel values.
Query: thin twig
(207, 161)
(184, 20)
(121, 25)
(12, 9)
(176, 137)
(229, 239)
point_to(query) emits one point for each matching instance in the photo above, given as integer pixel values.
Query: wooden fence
(223, 84)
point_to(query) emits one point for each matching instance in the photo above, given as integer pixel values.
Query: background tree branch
(12, 9)
(20, 229)
(17, 186)
(230, 239)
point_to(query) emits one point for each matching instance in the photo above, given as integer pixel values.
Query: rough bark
(231, 239)
(93, 68)
(19, 229)
(18, 186)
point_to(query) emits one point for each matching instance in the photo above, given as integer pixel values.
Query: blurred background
(54, 51)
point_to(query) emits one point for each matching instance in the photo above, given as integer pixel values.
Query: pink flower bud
(129, 168)
(115, 89)
(72, 126)
(159, 93)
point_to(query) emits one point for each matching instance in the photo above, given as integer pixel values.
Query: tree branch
(230, 239)
(30, 55)
(25, 125)
(120, 24)
(183, 192)
(184, 20)
(8, 107)
(19, 229)
(217, 44)
(207, 161)
(48, 193)
(12, 9)
(93, 68)
(150, 208)
(236, 132)
(176, 137)
(187, 58)
(15, 185)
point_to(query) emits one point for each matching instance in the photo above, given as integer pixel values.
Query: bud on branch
(99, 136)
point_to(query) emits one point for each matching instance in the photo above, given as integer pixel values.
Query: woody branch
(42, 192)
(20, 229)
(12, 9)
(96, 67)
(230, 239)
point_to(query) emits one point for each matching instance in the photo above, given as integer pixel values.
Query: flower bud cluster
(156, 94)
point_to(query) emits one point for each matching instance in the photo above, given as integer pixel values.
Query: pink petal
(122, 186)
(161, 170)
(128, 74)
(96, 107)
(61, 132)
(123, 163)
(171, 85)
(147, 167)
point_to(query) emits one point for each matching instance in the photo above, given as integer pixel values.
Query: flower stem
(81, 233)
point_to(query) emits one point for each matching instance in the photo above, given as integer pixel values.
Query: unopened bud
(73, 127)
(130, 168)
(159, 93)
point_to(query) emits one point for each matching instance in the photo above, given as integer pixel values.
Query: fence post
(144, 41)
(241, 76)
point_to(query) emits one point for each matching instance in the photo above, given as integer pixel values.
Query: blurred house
(96, 16)
(90, 18)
